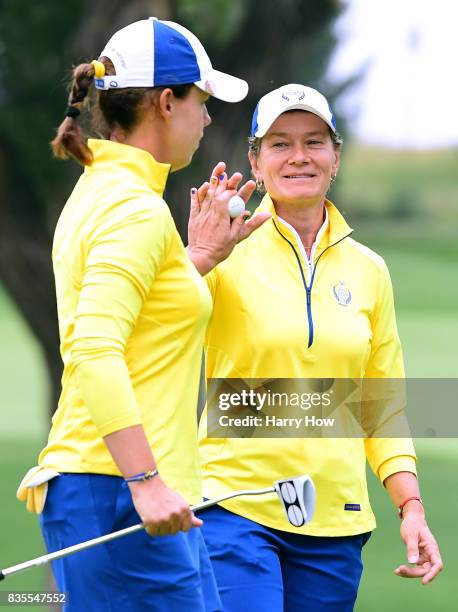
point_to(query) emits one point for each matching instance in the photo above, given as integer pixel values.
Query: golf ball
(236, 206)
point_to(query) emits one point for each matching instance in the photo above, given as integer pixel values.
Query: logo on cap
(288, 94)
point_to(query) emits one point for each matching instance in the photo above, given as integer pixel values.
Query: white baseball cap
(152, 53)
(290, 97)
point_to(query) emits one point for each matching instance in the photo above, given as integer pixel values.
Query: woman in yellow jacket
(132, 314)
(301, 299)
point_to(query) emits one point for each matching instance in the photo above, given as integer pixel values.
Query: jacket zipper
(308, 288)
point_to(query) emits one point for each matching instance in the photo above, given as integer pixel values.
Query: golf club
(296, 494)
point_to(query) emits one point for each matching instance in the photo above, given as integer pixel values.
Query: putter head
(298, 498)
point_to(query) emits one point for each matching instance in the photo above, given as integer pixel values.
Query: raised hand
(212, 234)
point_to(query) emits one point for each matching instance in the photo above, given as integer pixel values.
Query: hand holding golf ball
(236, 206)
(218, 218)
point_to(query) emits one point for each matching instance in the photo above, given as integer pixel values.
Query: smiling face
(297, 159)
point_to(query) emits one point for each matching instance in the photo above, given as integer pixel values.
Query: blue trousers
(258, 568)
(133, 573)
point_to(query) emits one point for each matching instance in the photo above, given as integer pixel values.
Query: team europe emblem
(342, 294)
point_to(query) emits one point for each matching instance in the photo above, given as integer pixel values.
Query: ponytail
(115, 108)
(69, 140)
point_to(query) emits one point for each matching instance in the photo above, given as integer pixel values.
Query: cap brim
(262, 132)
(224, 86)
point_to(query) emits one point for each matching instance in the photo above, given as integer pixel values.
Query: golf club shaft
(14, 569)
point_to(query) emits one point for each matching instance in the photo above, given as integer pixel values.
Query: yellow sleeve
(401, 463)
(386, 359)
(125, 253)
(395, 454)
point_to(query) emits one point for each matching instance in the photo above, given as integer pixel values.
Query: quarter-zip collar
(335, 230)
(285, 226)
(114, 156)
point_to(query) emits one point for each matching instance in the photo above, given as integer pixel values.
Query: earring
(332, 181)
(260, 186)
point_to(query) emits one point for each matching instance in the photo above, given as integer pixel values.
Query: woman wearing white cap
(132, 313)
(300, 299)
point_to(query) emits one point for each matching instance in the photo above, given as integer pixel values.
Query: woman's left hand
(422, 549)
(212, 234)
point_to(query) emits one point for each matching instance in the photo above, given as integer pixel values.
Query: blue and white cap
(289, 97)
(151, 53)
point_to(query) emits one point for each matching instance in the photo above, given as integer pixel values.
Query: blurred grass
(22, 378)
(420, 247)
(381, 590)
(402, 204)
(22, 430)
(399, 182)
(20, 536)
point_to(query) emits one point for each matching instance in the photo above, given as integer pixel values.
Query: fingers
(178, 521)
(406, 571)
(237, 225)
(208, 190)
(195, 203)
(218, 182)
(202, 191)
(186, 522)
(219, 169)
(253, 224)
(164, 527)
(222, 182)
(428, 564)
(432, 573)
(234, 181)
(435, 559)
(246, 191)
(412, 547)
(196, 522)
(206, 202)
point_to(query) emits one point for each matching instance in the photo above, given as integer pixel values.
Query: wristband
(142, 476)
(401, 507)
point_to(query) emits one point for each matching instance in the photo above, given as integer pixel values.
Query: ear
(166, 103)
(336, 164)
(254, 162)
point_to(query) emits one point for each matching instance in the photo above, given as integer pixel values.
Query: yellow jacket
(265, 324)
(132, 316)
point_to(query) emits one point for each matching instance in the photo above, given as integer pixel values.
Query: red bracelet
(401, 507)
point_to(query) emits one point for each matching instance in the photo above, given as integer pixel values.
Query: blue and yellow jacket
(277, 316)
